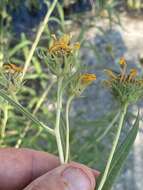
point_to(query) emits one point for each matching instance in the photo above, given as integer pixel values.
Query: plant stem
(57, 126)
(38, 36)
(67, 128)
(115, 143)
(108, 127)
(38, 105)
(4, 122)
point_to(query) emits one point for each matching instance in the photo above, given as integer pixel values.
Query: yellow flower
(87, 79)
(123, 66)
(11, 77)
(120, 77)
(12, 68)
(133, 73)
(122, 61)
(80, 82)
(126, 87)
(62, 45)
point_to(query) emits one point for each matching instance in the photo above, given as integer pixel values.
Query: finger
(18, 167)
(96, 173)
(71, 176)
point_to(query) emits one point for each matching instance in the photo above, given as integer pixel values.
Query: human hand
(25, 169)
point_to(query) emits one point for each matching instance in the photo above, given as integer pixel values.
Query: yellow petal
(122, 61)
(13, 68)
(133, 74)
(87, 78)
(76, 45)
(65, 39)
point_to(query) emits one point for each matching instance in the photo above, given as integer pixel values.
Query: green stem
(115, 143)
(4, 121)
(108, 127)
(57, 126)
(67, 128)
(38, 36)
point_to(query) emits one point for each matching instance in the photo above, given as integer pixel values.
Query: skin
(25, 169)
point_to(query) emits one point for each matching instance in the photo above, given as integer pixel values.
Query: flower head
(61, 57)
(80, 82)
(127, 87)
(12, 68)
(87, 78)
(132, 75)
(10, 75)
(62, 46)
(122, 61)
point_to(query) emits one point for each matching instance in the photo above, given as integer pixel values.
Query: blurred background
(107, 30)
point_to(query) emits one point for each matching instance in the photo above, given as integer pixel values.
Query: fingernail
(96, 173)
(76, 178)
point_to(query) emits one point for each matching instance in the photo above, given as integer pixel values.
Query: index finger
(19, 167)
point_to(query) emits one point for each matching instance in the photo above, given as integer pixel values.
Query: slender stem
(115, 143)
(108, 127)
(67, 128)
(4, 121)
(57, 126)
(34, 138)
(38, 105)
(38, 36)
(2, 36)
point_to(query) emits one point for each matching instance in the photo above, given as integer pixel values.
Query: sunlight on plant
(40, 80)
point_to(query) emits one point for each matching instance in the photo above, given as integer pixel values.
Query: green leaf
(37, 65)
(25, 112)
(121, 155)
(61, 15)
(18, 47)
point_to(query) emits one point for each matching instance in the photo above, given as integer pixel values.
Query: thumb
(71, 176)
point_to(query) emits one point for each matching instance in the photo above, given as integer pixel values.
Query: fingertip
(96, 173)
(86, 171)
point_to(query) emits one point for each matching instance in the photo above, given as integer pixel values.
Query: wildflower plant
(10, 75)
(61, 61)
(127, 88)
(10, 78)
(64, 70)
(80, 83)
(61, 55)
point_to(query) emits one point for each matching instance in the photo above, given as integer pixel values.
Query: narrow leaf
(24, 111)
(18, 47)
(121, 155)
